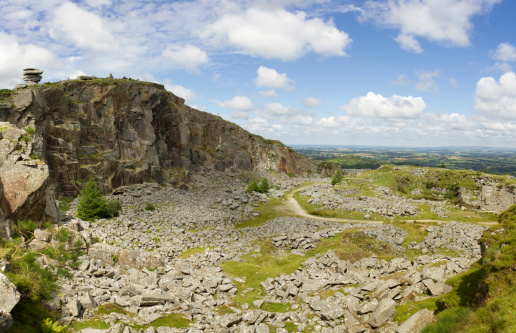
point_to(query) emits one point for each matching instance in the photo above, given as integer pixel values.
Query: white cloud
(187, 57)
(401, 80)
(14, 57)
(277, 34)
(278, 109)
(497, 99)
(505, 52)
(393, 107)
(453, 82)
(268, 77)
(98, 3)
(446, 21)
(180, 91)
(268, 93)
(409, 43)
(426, 81)
(311, 102)
(238, 103)
(86, 30)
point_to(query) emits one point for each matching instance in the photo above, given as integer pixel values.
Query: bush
(49, 326)
(264, 186)
(149, 206)
(64, 203)
(30, 130)
(338, 177)
(93, 205)
(25, 228)
(253, 187)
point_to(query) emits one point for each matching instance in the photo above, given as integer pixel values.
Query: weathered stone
(75, 308)
(416, 322)
(383, 311)
(332, 313)
(10, 296)
(103, 252)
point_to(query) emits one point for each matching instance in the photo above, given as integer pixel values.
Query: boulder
(10, 297)
(6, 230)
(383, 311)
(103, 252)
(416, 322)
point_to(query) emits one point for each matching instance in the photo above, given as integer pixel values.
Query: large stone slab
(416, 322)
(383, 311)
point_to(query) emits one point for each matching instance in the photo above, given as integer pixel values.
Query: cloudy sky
(348, 72)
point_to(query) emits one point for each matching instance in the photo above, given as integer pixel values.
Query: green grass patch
(268, 212)
(171, 320)
(405, 311)
(448, 320)
(275, 307)
(271, 262)
(193, 251)
(108, 308)
(92, 323)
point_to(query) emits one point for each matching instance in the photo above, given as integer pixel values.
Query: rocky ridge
(124, 132)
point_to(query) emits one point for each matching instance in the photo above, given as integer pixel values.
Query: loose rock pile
(139, 266)
(324, 195)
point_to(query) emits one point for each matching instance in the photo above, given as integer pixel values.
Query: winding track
(292, 206)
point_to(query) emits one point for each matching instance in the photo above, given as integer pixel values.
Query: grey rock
(416, 322)
(10, 296)
(383, 311)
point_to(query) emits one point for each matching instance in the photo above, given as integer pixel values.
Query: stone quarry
(149, 278)
(194, 168)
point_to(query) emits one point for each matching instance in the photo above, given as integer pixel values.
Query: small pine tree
(93, 205)
(253, 187)
(338, 176)
(264, 186)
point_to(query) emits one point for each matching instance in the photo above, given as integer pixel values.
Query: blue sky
(389, 72)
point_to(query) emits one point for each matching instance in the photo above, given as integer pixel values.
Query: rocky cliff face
(123, 132)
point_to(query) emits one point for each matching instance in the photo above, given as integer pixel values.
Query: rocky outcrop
(10, 297)
(124, 132)
(497, 197)
(121, 132)
(24, 177)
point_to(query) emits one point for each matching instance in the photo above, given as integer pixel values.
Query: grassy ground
(483, 298)
(271, 262)
(193, 251)
(425, 213)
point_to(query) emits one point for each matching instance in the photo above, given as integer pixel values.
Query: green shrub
(264, 186)
(93, 205)
(62, 235)
(253, 187)
(114, 207)
(338, 177)
(25, 228)
(30, 130)
(149, 206)
(49, 326)
(64, 203)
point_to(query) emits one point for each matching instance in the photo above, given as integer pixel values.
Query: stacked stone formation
(32, 76)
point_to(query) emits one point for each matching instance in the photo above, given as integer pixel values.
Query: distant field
(491, 160)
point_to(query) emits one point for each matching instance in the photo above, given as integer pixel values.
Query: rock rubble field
(150, 265)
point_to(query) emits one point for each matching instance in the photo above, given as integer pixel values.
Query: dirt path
(293, 207)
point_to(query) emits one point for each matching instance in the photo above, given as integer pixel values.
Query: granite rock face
(125, 132)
